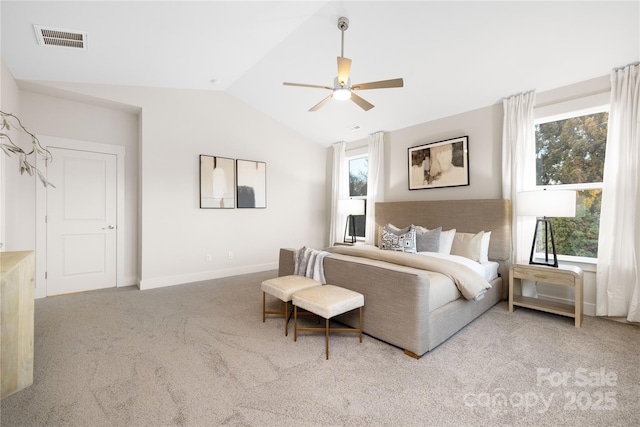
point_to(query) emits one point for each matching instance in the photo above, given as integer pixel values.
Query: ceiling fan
(342, 88)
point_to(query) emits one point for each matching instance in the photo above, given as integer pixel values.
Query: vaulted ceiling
(454, 56)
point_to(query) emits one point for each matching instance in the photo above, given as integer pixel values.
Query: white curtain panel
(339, 191)
(617, 288)
(374, 181)
(518, 173)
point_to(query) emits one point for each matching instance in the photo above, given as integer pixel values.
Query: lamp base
(349, 234)
(548, 264)
(548, 232)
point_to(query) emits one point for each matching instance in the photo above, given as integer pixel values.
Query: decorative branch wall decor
(10, 147)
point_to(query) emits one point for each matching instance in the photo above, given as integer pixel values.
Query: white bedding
(487, 270)
(442, 290)
(448, 282)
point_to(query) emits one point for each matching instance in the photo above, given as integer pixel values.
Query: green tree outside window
(572, 151)
(358, 177)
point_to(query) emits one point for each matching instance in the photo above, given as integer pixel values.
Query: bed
(409, 302)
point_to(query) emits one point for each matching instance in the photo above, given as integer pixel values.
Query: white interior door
(81, 221)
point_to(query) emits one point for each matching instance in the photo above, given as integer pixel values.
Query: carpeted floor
(199, 355)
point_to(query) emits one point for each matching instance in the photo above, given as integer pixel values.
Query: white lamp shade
(342, 94)
(549, 203)
(351, 206)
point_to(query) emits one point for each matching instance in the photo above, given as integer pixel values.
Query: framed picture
(252, 184)
(439, 164)
(217, 182)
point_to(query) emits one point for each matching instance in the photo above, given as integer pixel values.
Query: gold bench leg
(327, 329)
(326, 323)
(286, 319)
(295, 323)
(360, 324)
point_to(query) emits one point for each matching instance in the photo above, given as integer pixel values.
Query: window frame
(354, 154)
(348, 160)
(583, 106)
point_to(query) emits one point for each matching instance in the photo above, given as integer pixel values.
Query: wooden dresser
(17, 278)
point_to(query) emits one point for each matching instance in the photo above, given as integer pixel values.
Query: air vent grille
(59, 37)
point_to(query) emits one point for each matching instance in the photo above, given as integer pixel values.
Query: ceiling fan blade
(321, 103)
(306, 85)
(344, 68)
(379, 85)
(365, 105)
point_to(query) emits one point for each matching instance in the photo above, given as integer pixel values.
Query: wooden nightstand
(562, 275)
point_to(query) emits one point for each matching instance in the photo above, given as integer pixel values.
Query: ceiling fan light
(341, 94)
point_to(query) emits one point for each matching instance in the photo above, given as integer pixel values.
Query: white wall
(86, 121)
(18, 191)
(216, 124)
(484, 129)
(8, 103)
(176, 126)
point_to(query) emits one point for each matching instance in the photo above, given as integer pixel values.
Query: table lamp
(351, 208)
(545, 204)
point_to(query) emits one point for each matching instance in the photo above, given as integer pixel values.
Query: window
(357, 190)
(358, 177)
(570, 152)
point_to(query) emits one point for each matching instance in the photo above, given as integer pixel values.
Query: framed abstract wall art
(217, 183)
(439, 164)
(251, 184)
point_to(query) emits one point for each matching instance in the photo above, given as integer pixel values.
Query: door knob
(111, 227)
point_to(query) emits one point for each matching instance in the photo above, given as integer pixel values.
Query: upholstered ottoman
(283, 288)
(326, 301)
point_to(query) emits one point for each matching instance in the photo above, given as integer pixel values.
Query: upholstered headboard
(466, 216)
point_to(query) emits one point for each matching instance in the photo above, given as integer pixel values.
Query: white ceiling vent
(48, 36)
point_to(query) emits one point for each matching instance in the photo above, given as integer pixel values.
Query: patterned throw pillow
(395, 239)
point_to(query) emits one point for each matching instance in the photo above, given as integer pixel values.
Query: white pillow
(467, 245)
(446, 241)
(484, 247)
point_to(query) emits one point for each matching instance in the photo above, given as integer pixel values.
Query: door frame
(41, 206)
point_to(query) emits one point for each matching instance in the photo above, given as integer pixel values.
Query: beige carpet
(199, 355)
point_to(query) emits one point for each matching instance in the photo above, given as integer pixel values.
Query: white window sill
(586, 264)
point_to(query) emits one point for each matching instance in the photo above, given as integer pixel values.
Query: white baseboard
(129, 281)
(161, 282)
(588, 309)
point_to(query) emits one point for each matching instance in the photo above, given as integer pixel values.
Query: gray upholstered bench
(326, 301)
(283, 288)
